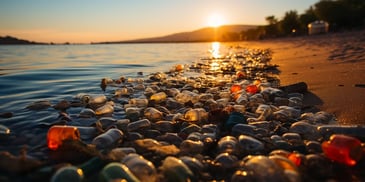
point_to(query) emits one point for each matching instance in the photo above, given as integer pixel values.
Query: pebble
(176, 170)
(139, 125)
(226, 161)
(68, 173)
(195, 123)
(250, 145)
(4, 131)
(104, 110)
(265, 169)
(343, 149)
(109, 139)
(243, 129)
(227, 144)
(143, 169)
(6, 115)
(306, 130)
(87, 113)
(39, 105)
(191, 147)
(116, 171)
(62, 105)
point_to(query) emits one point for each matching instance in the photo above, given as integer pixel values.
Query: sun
(215, 20)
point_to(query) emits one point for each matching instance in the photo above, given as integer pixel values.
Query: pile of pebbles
(223, 118)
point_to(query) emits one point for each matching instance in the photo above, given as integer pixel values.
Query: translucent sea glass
(116, 171)
(252, 89)
(57, 134)
(196, 115)
(235, 88)
(159, 97)
(343, 149)
(68, 173)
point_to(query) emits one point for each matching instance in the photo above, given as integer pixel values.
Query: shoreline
(333, 66)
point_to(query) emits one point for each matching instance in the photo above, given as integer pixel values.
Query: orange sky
(81, 21)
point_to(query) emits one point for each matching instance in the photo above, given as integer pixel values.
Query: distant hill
(208, 34)
(8, 40)
(222, 33)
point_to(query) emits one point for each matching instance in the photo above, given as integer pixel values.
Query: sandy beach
(333, 66)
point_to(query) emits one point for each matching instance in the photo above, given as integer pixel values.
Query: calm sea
(53, 73)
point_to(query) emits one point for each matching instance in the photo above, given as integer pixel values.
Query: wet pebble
(250, 145)
(227, 144)
(226, 161)
(306, 130)
(117, 171)
(176, 170)
(259, 164)
(68, 173)
(143, 169)
(139, 125)
(4, 131)
(109, 139)
(153, 114)
(243, 129)
(105, 109)
(62, 105)
(6, 115)
(39, 105)
(194, 123)
(87, 113)
(191, 147)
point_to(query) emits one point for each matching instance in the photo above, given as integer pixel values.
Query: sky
(85, 21)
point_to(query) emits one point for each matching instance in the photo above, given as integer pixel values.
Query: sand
(333, 66)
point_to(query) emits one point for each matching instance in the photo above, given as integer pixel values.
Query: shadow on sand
(311, 102)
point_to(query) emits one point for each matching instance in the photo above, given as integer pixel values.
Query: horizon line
(127, 40)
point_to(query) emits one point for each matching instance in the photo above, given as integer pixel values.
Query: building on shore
(318, 27)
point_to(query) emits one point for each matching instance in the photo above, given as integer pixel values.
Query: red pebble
(295, 158)
(343, 149)
(179, 67)
(252, 89)
(57, 134)
(235, 88)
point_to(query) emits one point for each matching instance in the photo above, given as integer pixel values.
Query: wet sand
(333, 66)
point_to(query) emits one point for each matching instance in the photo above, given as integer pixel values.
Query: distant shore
(333, 66)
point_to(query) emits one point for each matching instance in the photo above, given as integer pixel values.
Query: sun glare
(215, 20)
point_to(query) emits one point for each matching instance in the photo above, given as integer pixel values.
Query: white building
(318, 27)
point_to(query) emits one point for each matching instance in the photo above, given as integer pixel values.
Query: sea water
(30, 73)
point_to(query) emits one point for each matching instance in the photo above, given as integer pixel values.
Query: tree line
(340, 14)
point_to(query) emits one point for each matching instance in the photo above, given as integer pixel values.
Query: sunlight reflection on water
(44, 72)
(54, 73)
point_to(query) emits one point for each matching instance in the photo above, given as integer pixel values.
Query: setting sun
(215, 20)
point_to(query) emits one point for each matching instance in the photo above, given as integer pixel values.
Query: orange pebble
(235, 88)
(343, 149)
(256, 82)
(252, 89)
(179, 67)
(57, 134)
(295, 158)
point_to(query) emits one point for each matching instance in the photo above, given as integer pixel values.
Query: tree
(271, 20)
(253, 34)
(309, 16)
(290, 23)
(356, 12)
(343, 14)
(271, 30)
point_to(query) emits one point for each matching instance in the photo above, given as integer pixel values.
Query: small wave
(125, 66)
